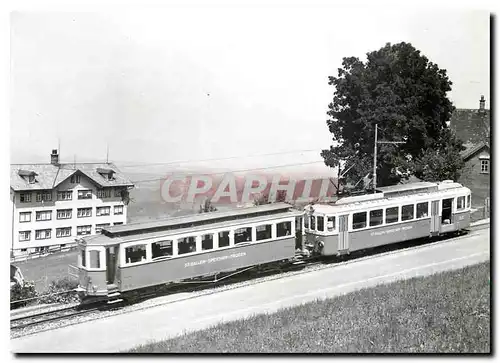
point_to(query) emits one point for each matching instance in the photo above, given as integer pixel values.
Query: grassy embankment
(446, 312)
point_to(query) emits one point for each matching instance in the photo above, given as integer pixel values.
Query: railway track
(224, 281)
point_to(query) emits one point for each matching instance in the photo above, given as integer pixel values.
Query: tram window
(376, 217)
(330, 223)
(283, 229)
(207, 242)
(460, 203)
(223, 239)
(392, 215)
(263, 232)
(186, 245)
(313, 222)
(321, 224)
(161, 249)
(306, 222)
(407, 212)
(468, 201)
(359, 220)
(83, 259)
(298, 224)
(135, 253)
(422, 209)
(243, 235)
(95, 261)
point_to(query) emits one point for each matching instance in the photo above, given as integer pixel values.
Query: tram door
(435, 221)
(111, 256)
(343, 234)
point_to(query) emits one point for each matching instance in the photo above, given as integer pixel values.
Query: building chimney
(482, 101)
(54, 157)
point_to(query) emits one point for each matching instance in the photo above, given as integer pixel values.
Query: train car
(392, 214)
(140, 255)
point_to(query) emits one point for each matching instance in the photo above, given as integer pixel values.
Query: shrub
(21, 292)
(56, 287)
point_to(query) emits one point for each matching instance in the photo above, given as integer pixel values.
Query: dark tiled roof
(470, 125)
(473, 149)
(48, 176)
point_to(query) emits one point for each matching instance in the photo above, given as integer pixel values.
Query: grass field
(443, 313)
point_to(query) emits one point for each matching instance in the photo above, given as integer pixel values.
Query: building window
(207, 242)
(24, 236)
(24, 249)
(422, 209)
(118, 223)
(263, 232)
(243, 235)
(75, 179)
(43, 196)
(162, 249)
(103, 211)
(25, 217)
(408, 212)
(63, 232)
(118, 192)
(135, 253)
(45, 215)
(186, 245)
(25, 197)
(330, 224)
(64, 213)
(223, 239)
(392, 215)
(485, 166)
(83, 230)
(41, 249)
(118, 210)
(376, 217)
(31, 179)
(99, 227)
(359, 220)
(283, 229)
(104, 193)
(85, 194)
(65, 195)
(43, 234)
(84, 212)
(460, 203)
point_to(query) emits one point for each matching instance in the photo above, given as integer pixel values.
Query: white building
(54, 203)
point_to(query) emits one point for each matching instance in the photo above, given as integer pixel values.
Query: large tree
(404, 93)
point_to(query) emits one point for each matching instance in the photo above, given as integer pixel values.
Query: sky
(193, 84)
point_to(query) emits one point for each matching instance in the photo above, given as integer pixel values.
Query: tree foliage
(404, 93)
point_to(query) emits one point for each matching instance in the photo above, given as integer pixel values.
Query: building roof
(472, 150)
(471, 125)
(49, 176)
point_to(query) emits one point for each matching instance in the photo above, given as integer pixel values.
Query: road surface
(124, 331)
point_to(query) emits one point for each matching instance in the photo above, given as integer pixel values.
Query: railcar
(140, 255)
(393, 214)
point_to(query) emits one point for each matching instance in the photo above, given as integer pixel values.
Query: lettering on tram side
(215, 259)
(380, 233)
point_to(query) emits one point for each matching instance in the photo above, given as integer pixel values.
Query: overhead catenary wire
(231, 171)
(216, 159)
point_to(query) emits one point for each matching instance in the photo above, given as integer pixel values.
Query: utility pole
(375, 156)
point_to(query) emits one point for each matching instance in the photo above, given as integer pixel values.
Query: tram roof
(199, 218)
(104, 240)
(409, 187)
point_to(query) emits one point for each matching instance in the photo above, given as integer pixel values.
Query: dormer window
(28, 175)
(75, 179)
(107, 174)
